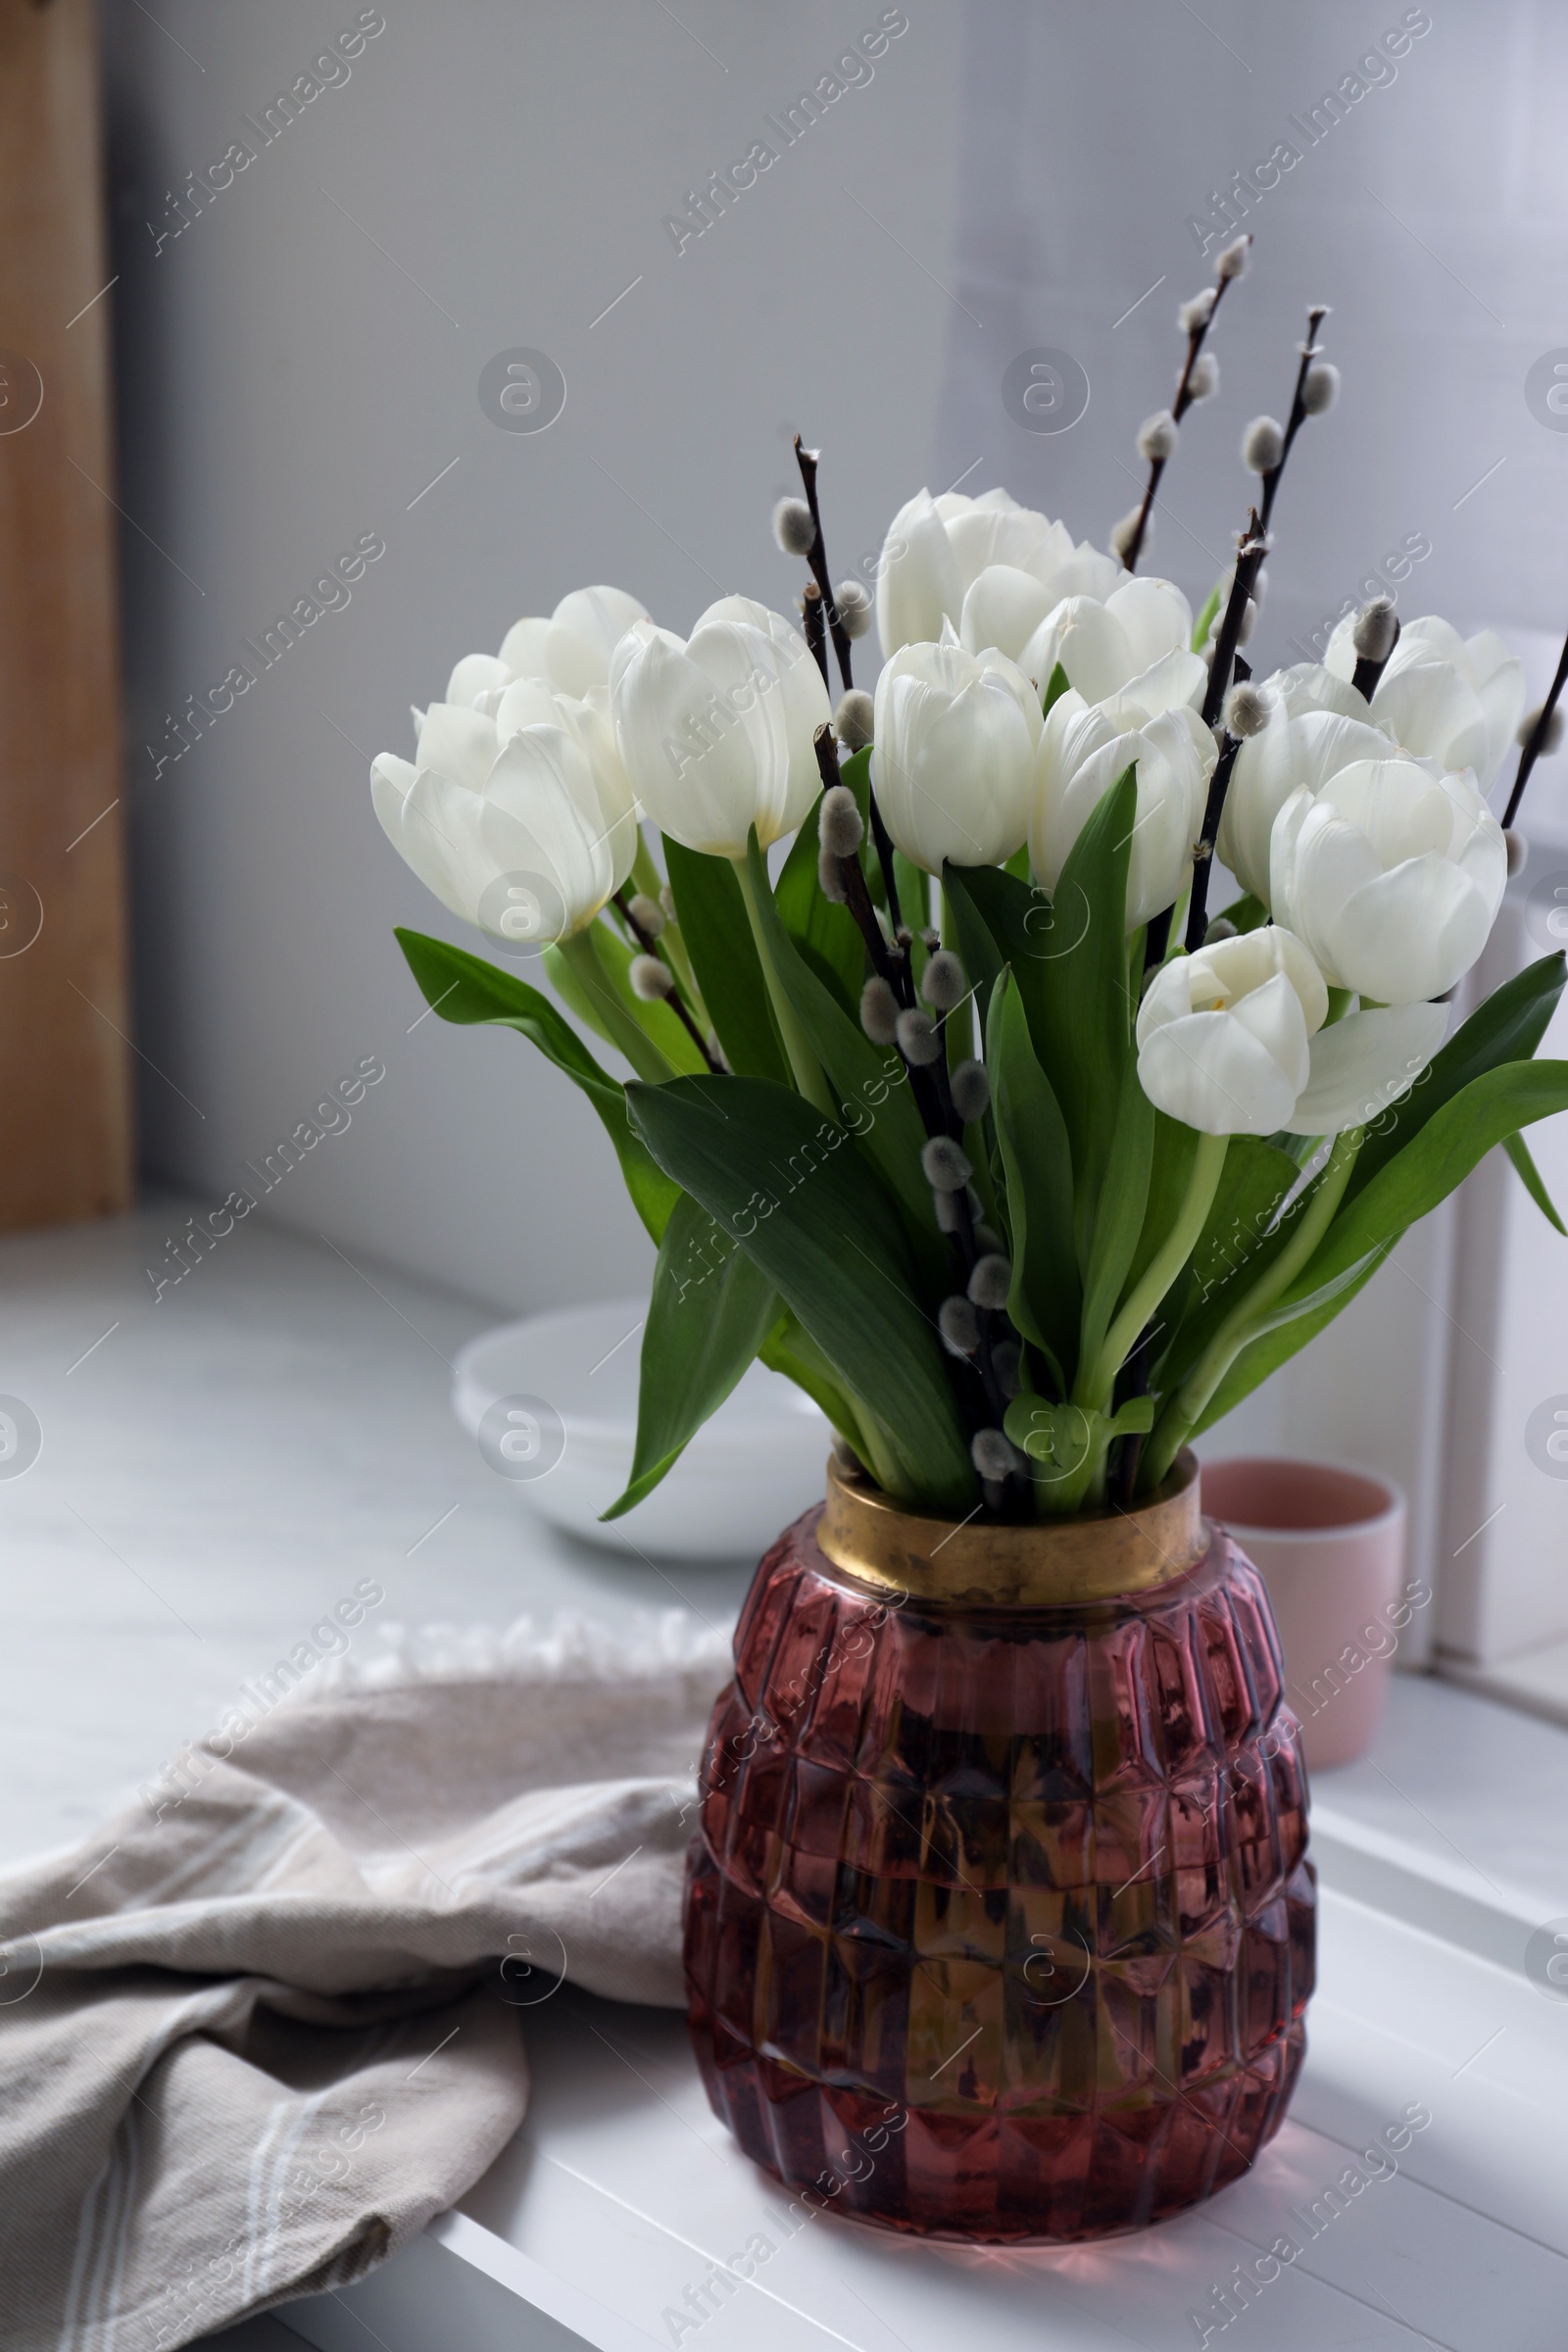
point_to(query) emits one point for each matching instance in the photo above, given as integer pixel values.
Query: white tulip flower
(1392, 873)
(1223, 1035)
(715, 734)
(571, 651)
(1137, 640)
(1443, 697)
(1300, 749)
(524, 831)
(1083, 749)
(955, 741)
(937, 548)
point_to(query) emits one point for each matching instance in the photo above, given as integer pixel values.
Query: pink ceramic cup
(1329, 1542)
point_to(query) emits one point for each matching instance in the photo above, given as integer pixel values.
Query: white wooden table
(218, 1467)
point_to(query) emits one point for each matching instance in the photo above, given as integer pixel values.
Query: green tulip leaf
(1506, 1028)
(1118, 1213)
(710, 1312)
(656, 1020)
(1518, 1151)
(1037, 1175)
(870, 1083)
(814, 1220)
(718, 937)
(1238, 1244)
(464, 988)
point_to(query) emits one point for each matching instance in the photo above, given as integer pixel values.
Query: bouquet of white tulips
(966, 1114)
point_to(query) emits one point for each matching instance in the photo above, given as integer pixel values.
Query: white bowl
(569, 1384)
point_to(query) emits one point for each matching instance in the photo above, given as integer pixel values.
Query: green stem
(957, 1029)
(1182, 1411)
(581, 957)
(1162, 1271)
(805, 1067)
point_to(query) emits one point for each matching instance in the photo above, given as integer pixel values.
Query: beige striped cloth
(252, 2041)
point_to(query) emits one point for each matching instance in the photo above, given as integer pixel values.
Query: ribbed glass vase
(998, 1922)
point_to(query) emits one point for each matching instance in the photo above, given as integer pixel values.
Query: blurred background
(299, 348)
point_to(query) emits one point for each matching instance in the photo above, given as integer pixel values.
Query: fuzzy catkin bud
(1197, 312)
(971, 1090)
(990, 1281)
(1233, 260)
(1553, 730)
(988, 1241)
(1220, 929)
(1320, 388)
(1377, 625)
(945, 1164)
(1248, 710)
(879, 1011)
(793, 526)
(1518, 849)
(1203, 382)
(950, 1208)
(840, 827)
(944, 983)
(1006, 1362)
(853, 719)
(993, 1454)
(959, 1325)
(829, 878)
(667, 899)
(646, 914)
(1123, 533)
(917, 1038)
(649, 979)
(1248, 622)
(1157, 436)
(1262, 445)
(855, 608)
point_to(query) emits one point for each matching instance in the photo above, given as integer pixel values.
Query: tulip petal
(524, 649)
(1002, 609)
(473, 675)
(459, 743)
(918, 584)
(1364, 1063)
(1154, 617)
(1212, 1074)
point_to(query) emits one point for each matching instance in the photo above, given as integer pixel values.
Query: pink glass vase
(999, 1920)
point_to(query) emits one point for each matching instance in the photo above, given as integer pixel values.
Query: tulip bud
(1203, 382)
(1553, 735)
(1518, 849)
(959, 1325)
(944, 983)
(1006, 1362)
(990, 1281)
(971, 1090)
(648, 917)
(945, 1164)
(879, 1013)
(854, 607)
(1248, 710)
(1197, 312)
(1320, 387)
(917, 1038)
(1156, 437)
(649, 979)
(1262, 445)
(829, 879)
(793, 526)
(855, 720)
(1377, 625)
(1232, 261)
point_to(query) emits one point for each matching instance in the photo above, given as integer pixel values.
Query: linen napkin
(251, 2041)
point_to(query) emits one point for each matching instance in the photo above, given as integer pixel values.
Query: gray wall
(291, 381)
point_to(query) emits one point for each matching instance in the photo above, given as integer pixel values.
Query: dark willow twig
(1185, 397)
(815, 631)
(675, 1000)
(928, 1081)
(1536, 741)
(816, 556)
